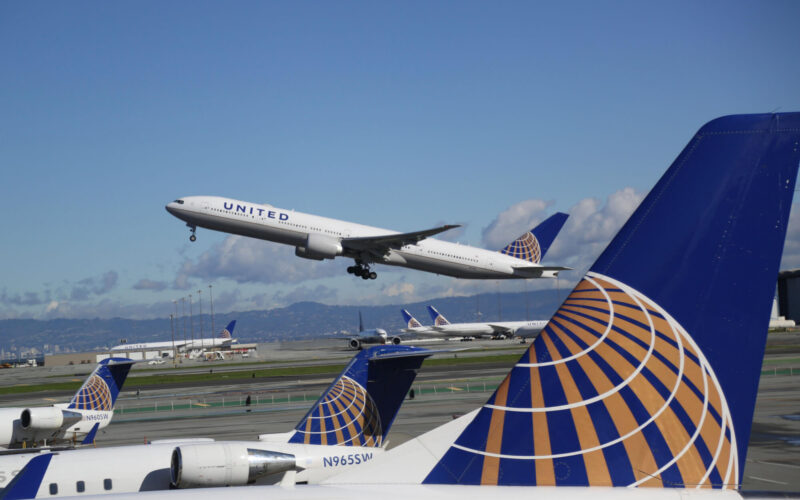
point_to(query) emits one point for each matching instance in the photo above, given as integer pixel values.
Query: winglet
(436, 316)
(647, 374)
(533, 245)
(27, 481)
(359, 407)
(89, 439)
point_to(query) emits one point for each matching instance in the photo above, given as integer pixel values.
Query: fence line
(132, 405)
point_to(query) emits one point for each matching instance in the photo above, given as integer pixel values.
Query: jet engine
(396, 340)
(224, 464)
(48, 419)
(355, 344)
(319, 247)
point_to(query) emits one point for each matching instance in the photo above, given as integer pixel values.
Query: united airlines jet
(643, 384)
(443, 329)
(90, 409)
(347, 427)
(320, 238)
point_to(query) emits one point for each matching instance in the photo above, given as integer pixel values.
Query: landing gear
(193, 229)
(362, 271)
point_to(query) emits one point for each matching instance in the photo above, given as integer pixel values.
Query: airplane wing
(380, 245)
(539, 271)
(500, 328)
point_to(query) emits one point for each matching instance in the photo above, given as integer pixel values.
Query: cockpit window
(179, 202)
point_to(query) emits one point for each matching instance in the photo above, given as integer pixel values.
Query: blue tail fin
(227, 333)
(436, 316)
(28, 480)
(360, 405)
(411, 321)
(533, 245)
(647, 374)
(99, 391)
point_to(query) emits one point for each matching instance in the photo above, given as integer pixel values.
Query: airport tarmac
(442, 393)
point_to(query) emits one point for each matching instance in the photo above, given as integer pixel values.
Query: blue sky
(399, 115)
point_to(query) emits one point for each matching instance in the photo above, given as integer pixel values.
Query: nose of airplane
(172, 207)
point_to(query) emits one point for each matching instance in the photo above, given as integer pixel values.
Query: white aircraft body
(643, 384)
(225, 338)
(370, 336)
(90, 409)
(319, 238)
(346, 427)
(444, 329)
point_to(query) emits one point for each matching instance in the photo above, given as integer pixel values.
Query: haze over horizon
(401, 116)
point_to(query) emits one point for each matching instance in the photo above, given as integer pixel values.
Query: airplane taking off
(643, 384)
(443, 328)
(346, 428)
(90, 409)
(370, 336)
(225, 338)
(320, 238)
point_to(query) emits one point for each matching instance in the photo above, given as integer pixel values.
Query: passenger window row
(80, 486)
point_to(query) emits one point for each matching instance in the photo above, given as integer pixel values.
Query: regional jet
(90, 409)
(346, 428)
(320, 238)
(444, 329)
(635, 389)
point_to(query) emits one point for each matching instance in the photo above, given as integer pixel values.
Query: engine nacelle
(354, 344)
(224, 464)
(48, 419)
(318, 247)
(396, 340)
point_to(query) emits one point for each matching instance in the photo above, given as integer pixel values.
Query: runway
(216, 410)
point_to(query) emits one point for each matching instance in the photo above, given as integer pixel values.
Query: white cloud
(513, 222)
(246, 260)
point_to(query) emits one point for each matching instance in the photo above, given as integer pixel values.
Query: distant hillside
(301, 320)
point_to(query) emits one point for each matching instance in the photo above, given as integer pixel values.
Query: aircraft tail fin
(89, 439)
(360, 405)
(227, 333)
(100, 390)
(533, 245)
(436, 316)
(648, 372)
(411, 321)
(360, 322)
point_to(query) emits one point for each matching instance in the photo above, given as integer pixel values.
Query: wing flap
(383, 243)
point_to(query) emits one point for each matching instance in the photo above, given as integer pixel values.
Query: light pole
(211, 298)
(200, 305)
(172, 329)
(191, 320)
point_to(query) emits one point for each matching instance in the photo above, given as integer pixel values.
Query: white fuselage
(13, 435)
(135, 468)
(293, 228)
(525, 329)
(179, 345)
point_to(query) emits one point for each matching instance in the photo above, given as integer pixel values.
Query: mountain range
(301, 320)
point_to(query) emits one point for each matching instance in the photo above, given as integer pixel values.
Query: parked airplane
(345, 428)
(444, 329)
(371, 336)
(225, 338)
(319, 238)
(646, 377)
(90, 409)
